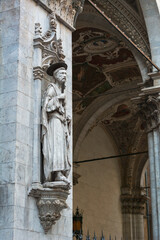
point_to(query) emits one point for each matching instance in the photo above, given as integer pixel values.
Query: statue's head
(60, 75)
(58, 71)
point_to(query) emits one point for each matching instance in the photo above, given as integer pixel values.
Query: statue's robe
(54, 134)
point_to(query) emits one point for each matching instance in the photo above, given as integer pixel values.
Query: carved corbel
(51, 200)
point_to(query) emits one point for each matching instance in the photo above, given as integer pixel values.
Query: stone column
(38, 76)
(149, 104)
(153, 185)
(133, 211)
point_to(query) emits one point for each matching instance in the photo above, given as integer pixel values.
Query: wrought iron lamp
(77, 224)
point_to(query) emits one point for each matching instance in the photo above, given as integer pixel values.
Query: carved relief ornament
(127, 20)
(149, 110)
(50, 47)
(66, 11)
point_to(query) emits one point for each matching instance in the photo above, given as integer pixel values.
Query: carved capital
(133, 204)
(149, 110)
(51, 200)
(38, 73)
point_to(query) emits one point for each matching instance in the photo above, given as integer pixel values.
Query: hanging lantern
(77, 223)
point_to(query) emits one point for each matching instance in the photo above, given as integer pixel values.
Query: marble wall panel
(7, 195)
(6, 234)
(7, 151)
(6, 220)
(8, 132)
(9, 5)
(8, 84)
(7, 172)
(8, 70)
(8, 115)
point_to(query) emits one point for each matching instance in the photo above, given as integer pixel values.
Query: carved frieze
(66, 11)
(127, 20)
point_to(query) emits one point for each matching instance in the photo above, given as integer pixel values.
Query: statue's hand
(62, 96)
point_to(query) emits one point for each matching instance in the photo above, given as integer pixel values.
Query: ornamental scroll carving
(51, 195)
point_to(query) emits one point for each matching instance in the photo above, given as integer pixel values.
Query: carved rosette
(51, 200)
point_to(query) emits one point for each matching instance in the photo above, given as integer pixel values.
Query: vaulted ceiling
(104, 64)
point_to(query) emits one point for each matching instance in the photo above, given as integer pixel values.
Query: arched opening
(99, 188)
(106, 74)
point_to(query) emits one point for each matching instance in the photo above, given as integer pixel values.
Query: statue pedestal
(51, 200)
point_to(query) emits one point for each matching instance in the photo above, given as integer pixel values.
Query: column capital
(148, 103)
(133, 204)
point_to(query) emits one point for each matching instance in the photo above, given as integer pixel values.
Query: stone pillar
(133, 211)
(149, 105)
(38, 75)
(21, 75)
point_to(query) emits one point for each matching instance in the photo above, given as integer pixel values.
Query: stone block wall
(19, 218)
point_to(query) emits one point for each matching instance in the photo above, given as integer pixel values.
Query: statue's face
(60, 75)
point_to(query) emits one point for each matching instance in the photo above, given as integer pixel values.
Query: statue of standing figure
(55, 127)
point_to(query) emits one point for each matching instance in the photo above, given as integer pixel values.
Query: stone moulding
(51, 200)
(127, 20)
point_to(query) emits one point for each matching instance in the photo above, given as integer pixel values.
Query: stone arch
(135, 24)
(92, 113)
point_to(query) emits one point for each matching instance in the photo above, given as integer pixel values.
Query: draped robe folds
(54, 134)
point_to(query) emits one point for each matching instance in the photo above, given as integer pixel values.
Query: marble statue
(55, 127)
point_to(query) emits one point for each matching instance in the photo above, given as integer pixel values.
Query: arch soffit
(128, 21)
(94, 111)
(90, 18)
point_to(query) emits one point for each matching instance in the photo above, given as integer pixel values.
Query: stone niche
(50, 195)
